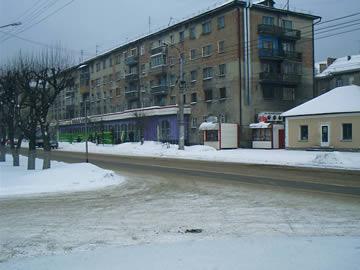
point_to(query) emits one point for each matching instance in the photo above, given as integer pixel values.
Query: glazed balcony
(279, 78)
(278, 31)
(132, 94)
(272, 54)
(161, 49)
(133, 76)
(157, 70)
(132, 60)
(161, 89)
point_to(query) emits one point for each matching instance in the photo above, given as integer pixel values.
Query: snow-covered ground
(330, 253)
(62, 177)
(335, 160)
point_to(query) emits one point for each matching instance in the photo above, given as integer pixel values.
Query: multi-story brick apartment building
(239, 59)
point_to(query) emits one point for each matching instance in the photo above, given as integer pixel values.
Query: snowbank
(281, 253)
(62, 177)
(334, 160)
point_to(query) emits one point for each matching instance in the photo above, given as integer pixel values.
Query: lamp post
(11, 24)
(86, 133)
(181, 103)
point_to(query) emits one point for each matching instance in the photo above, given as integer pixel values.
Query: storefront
(220, 135)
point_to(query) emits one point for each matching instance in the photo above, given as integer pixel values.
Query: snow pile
(281, 253)
(343, 64)
(345, 99)
(62, 177)
(335, 160)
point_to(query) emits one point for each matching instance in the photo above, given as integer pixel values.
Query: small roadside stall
(267, 135)
(220, 135)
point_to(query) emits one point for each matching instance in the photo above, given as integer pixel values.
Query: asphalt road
(310, 179)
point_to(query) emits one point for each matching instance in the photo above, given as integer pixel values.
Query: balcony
(132, 94)
(133, 76)
(271, 54)
(158, 50)
(132, 60)
(161, 89)
(279, 31)
(157, 70)
(279, 78)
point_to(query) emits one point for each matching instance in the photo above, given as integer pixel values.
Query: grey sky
(86, 23)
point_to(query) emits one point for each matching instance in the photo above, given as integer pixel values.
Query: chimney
(322, 67)
(330, 60)
(349, 57)
(268, 3)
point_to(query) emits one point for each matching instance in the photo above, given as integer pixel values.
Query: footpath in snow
(62, 177)
(281, 253)
(331, 160)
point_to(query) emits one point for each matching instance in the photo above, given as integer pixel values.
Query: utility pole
(86, 133)
(181, 106)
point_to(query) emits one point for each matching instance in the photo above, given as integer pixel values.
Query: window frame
(301, 137)
(221, 22)
(349, 139)
(205, 30)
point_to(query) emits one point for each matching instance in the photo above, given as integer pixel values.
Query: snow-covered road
(153, 210)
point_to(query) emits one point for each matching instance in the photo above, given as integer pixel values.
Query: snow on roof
(259, 125)
(343, 64)
(345, 99)
(209, 126)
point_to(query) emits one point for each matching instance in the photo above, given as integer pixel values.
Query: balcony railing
(279, 78)
(158, 49)
(132, 93)
(133, 76)
(273, 54)
(279, 31)
(161, 89)
(132, 60)
(160, 69)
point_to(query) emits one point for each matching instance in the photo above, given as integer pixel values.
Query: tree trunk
(16, 157)
(47, 147)
(2, 153)
(31, 159)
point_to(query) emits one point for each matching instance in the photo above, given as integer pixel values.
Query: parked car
(53, 143)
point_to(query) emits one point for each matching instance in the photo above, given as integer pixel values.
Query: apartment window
(208, 95)
(117, 59)
(222, 70)
(207, 73)
(142, 69)
(221, 46)
(287, 24)
(117, 75)
(193, 75)
(194, 123)
(104, 64)
(288, 94)
(117, 91)
(192, 32)
(206, 28)
(172, 100)
(192, 54)
(172, 41)
(221, 22)
(347, 132)
(98, 67)
(268, 92)
(268, 20)
(222, 93)
(184, 98)
(142, 50)
(193, 98)
(267, 44)
(172, 80)
(92, 68)
(181, 36)
(133, 52)
(288, 46)
(304, 133)
(207, 50)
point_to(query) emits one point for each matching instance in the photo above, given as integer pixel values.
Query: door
(325, 135)
(281, 138)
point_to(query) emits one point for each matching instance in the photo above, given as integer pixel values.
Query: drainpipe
(240, 81)
(313, 57)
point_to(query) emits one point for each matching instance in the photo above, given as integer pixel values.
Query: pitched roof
(340, 65)
(345, 99)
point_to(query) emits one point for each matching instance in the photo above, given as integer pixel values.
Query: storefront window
(212, 135)
(262, 134)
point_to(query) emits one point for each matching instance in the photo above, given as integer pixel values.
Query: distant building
(139, 81)
(331, 120)
(337, 72)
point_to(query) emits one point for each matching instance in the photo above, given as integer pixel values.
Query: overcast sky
(86, 24)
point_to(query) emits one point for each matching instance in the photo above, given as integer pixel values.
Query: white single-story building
(331, 120)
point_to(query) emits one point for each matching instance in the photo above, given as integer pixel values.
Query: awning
(260, 125)
(209, 126)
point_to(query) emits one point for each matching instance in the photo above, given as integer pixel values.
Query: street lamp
(181, 103)
(11, 24)
(86, 132)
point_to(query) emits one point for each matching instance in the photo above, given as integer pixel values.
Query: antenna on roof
(288, 4)
(97, 49)
(171, 18)
(149, 24)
